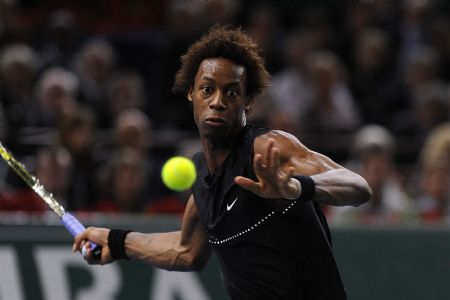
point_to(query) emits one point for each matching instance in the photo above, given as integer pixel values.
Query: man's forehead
(212, 67)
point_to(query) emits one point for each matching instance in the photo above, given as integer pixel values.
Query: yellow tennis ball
(178, 173)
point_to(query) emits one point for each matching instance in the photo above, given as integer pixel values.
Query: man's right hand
(98, 236)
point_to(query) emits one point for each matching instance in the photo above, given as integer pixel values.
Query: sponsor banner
(37, 263)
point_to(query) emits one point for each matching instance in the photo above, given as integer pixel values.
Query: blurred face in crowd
(435, 183)
(82, 138)
(54, 99)
(376, 168)
(128, 182)
(53, 171)
(125, 93)
(78, 131)
(218, 97)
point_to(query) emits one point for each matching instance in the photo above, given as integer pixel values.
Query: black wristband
(116, 239)
(308, 187)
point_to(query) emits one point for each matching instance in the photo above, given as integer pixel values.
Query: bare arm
(279, 155)
(339, 186)
(183, 250)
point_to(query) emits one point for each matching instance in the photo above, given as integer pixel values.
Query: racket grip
(75, 227)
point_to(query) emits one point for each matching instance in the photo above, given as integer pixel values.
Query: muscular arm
(183, 250)
(279, 155)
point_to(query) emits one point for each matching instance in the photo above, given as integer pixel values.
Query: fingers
(79, 241)
(273, 163)
(268, 154)
(84, 242)
(86, 249)
(267, 166)
(289, 174)
(258, 165)
(88, 255)
(248, 184)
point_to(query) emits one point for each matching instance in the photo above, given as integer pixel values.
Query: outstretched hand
(98, 236)
(274, 181)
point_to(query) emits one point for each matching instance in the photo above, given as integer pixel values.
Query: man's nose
(217, 101)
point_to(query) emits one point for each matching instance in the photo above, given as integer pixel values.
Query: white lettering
(166, 285)
(10, 287)
(52, 263)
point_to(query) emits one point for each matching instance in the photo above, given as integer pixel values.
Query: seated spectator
(125, 90)
(373, 158)
(434, 179)
(53, 166)
(133, 130)
(95, 65)
(56, 92)
(60, 38)
(19, 64)
(374, 83)
(429, 108)
(290, 93)
(264, 27)
(77, 133)
(332, 109)
(125, 182)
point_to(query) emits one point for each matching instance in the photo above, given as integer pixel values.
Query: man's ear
(247, 104)
(189, 95)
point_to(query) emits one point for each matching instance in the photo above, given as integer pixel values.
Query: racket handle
(75, 227)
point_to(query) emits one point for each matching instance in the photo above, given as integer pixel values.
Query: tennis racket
(69, 221)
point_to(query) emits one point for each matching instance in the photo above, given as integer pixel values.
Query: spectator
(55, 92)
(124, 181)
(332, 108)
(373, 150)
(61, 39)
(95, 66)
(77, 134)
(434, 178)
(421, 67)
(413, 16)
(430, 107)
(288, 101)
(52, 169)
(374, 84)
(263, 26)
(12, 24)
(19, 64)
(133, 130)
(125, 90)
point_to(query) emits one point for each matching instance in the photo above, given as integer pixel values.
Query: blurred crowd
(86, 102)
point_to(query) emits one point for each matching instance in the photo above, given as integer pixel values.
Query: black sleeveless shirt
(267, 248)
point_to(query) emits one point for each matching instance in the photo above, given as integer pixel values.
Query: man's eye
(232, 93)
(206, 90)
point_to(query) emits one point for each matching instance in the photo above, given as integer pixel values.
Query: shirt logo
(230, 206)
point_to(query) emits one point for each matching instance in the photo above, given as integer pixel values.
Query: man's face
(219, 100)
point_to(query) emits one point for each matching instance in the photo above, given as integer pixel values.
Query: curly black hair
(225, 42)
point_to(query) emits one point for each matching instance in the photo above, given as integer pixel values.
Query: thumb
(248, 184)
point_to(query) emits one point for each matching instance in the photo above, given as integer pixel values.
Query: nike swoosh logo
(230, 206)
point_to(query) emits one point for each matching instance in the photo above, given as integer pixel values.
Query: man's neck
(215, 154)
(217, 151)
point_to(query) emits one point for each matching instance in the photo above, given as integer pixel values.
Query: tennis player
(256, 199)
